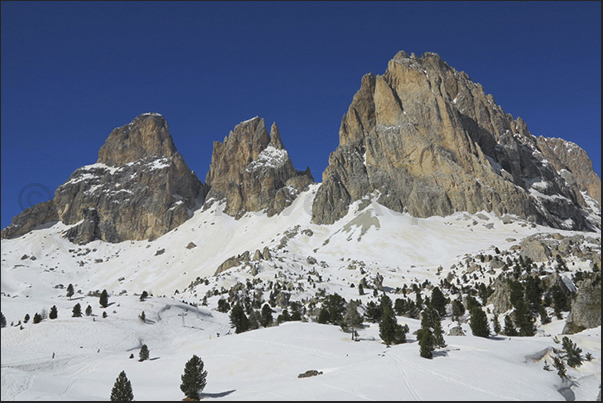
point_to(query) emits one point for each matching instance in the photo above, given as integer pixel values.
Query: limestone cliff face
(252, 171)
(429, 141)
(573, 164)
(140, 188)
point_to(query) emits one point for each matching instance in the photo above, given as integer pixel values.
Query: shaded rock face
(34, 216)
(586, 309)
(501, 297)
(140, 188)
(252, 171)
(427, 140)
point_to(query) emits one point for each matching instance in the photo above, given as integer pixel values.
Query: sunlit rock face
(251, 171)
(425, 139)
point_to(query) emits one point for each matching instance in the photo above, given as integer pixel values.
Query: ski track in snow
(408, 385)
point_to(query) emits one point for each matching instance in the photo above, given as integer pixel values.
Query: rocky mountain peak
(252, 171)
(147, 135)
(275, 138)
(430, 141)
(140, 188)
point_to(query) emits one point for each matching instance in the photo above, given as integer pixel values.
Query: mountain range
(432, 185)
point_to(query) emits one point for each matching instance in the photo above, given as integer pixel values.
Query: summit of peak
(146, 135)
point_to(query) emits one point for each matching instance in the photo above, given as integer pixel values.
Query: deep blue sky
(73, 71)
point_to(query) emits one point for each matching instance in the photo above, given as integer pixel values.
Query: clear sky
(74, 71)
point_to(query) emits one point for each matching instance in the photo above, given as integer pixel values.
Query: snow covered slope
(263, 364)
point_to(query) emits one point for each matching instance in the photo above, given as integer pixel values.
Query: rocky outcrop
(252, 171)
(586, 309)
(425, 139)
(140, 188)
(573, 164)
(544, 247)
(501, 297)
(29, 219)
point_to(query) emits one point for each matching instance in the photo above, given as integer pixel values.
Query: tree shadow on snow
(154, 358)
(440, 353)
(215, 395)
(499, 338)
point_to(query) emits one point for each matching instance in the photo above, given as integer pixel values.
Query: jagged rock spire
(275, 138)
(252, 171)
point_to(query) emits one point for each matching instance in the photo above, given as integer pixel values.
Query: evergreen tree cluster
(390, 331)
(479, 323)
(430, 335)
(193, 380)
(333, 309)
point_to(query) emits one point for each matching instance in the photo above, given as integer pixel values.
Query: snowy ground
(262, 364)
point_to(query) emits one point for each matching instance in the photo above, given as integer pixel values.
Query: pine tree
(572, 353)
(77, 311)
(53, 312)
(283, 317)
(144, 295)
(418, 299)
(323, 316)
(254, 322)
(266, 317)
(296, 310)
(122, 389)
(37, 318)
(88, 310)
(390, 331)
(335, 305)
(2, 320)
(431, 320)
(194, 378)
(400, 306)
(479, 323)
(70, 291)
(426, 343)
(144, 353)
(143, 317)
(509, 329)
(104, 299)
(524, 319)
(26, 318)
(560, 367)
(457, 309)
(438, 301)
(387, 326)
(238, 319)
(373, 312)
(223, 305)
